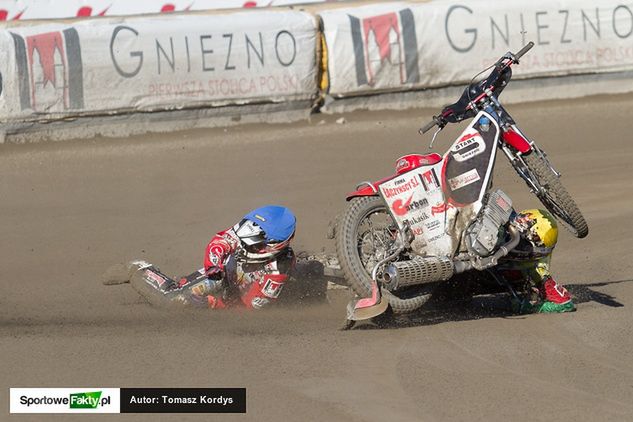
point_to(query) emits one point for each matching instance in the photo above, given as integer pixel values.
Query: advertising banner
(400, 46)
(156, 63)
(54, 9)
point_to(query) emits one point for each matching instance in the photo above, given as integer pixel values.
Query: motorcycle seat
(412, 161)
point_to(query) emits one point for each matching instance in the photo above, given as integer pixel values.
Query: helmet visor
(251, 234)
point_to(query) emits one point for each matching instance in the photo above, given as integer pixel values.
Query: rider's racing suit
(236, 278)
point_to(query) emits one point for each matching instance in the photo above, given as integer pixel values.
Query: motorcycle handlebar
(428, 126)
(501, 69)
(524, 50)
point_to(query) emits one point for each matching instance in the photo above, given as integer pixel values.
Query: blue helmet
(277, 222)
(266, 231)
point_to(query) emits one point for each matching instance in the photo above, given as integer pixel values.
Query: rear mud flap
(367, 307)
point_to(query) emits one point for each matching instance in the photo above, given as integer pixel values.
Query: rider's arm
(221, 245)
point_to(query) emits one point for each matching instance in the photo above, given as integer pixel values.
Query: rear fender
(364, 189)
(368, 188)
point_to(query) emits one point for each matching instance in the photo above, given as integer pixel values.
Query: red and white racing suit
(250, 282)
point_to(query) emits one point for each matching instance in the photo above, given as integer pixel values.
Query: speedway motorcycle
(438, 216)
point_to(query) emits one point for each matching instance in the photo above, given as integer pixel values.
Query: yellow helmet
(538, 227)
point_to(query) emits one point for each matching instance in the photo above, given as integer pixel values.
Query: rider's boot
(555, 298)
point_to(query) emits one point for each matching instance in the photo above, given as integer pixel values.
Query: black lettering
(228, 54)
(188, 55)
(204, 53)
(467, 31)
(539, 27)
(563, 40)
(260, 54)
(294, 48)
(506, 36)
(615, 29)
(138, 54)
(585, 20)
(172, 62)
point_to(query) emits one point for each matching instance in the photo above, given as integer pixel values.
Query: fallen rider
(246, 266)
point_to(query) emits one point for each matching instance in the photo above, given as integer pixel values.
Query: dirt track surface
(72, 209)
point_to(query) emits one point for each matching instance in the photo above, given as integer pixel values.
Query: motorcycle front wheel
(555, 197)
(364, 236)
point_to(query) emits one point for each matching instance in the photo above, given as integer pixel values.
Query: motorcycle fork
(510, 124)
(516, 159)
(519, 165)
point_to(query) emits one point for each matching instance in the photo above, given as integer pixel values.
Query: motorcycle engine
(485, 233)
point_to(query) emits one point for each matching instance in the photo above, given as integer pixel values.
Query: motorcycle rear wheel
(555, 197)
(360, 245)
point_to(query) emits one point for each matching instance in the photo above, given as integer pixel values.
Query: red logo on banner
(4, 15)
(49, 48)
(385, 47)
(52, 72)
(86, 11)
(383, 31)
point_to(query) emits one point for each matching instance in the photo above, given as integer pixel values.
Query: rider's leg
(553, 296)
(196, 290)
(546, 295)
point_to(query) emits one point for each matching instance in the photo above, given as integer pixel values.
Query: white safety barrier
(399, 46)
(112, 65)
(53, 9)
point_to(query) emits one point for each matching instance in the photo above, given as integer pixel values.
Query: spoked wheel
(555, 197)
(365, 235)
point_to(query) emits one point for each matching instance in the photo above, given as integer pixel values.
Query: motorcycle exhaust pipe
(418, 270)
(421, 270)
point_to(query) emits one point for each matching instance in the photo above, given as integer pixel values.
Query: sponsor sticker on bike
(399, 207)
(469, 146)
(403, 197)
(433, 225)
(412, 199)
(399, 186)
(464, 179)
(430, 180)
(440, 208)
